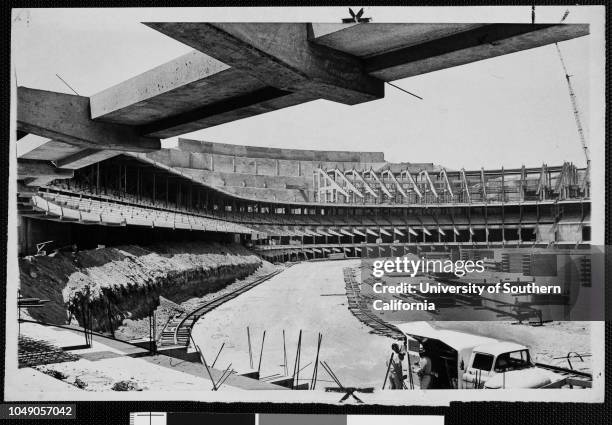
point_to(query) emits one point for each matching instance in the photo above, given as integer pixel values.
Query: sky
(508, 111)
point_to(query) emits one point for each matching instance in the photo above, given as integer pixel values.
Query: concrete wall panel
(245, 165)
(288, 168)
(223, 163)
(179, 159)
(266, 167)
(200, 161)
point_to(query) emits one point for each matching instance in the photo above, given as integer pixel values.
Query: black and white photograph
(351, 206)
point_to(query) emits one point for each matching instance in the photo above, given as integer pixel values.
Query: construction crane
(585, 148)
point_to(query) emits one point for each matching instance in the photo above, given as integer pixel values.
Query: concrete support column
(97, 178)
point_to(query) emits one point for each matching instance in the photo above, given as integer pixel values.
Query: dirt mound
(166, 304)
(112, 284)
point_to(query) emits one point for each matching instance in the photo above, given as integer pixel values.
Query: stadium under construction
(123, 239)
(98, 160)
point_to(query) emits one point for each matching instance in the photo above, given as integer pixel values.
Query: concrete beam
(254, 68)
(476, 44)
(40, 181)
(377, 38)
(233, 109)
(189, 93)
(174, 89)
(25, 191)
(66, 118)
(37, 173)
(52, 150)
(61, 154)
(282, 56)
(134, 97)
(84, 158)
(29, 143)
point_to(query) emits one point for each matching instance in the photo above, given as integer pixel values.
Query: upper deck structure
(361, 178)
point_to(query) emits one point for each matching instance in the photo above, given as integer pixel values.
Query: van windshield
(513, 360)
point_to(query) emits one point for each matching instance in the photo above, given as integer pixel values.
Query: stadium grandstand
(290, 204)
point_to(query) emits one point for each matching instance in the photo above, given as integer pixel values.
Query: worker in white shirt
(397, 371)
(424, 369)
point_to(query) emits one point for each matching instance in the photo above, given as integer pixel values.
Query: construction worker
(424, 369)
(397, 371)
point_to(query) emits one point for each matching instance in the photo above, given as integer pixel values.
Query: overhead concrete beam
(189, 93)
(29, 143)
(61, 154)
(479, 43)
(66, 118)
(239, 70)
(49, 151)
(84, 158)
(24, 190)
(35, 172)
(131, 97)
(282, 56)
(258, 102)
(377, 38)
(40, 181)
(177, 87)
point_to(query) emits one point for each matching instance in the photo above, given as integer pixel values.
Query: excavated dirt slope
(126, 281)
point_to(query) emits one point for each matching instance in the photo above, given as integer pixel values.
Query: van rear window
(483, 361)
